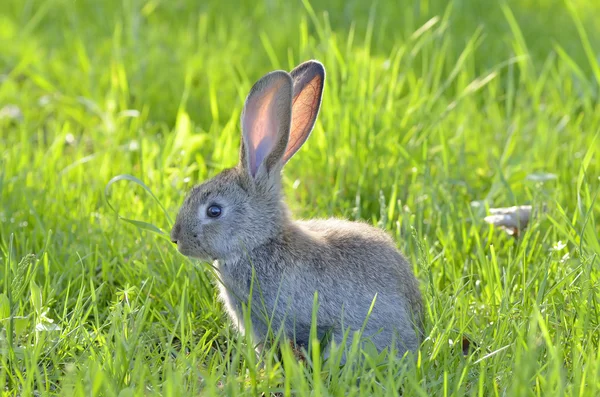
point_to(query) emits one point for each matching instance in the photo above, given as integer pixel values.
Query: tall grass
(432, 113)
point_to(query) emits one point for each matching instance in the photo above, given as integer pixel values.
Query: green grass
(427, 109)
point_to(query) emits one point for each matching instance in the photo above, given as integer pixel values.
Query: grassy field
(432, 113)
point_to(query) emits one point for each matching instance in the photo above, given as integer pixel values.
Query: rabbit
(239, 220)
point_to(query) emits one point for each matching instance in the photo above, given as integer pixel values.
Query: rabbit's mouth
(186, 245)
(185, 251)
(191, 252)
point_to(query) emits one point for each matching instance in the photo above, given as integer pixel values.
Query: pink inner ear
(304, 112)
(260, 124)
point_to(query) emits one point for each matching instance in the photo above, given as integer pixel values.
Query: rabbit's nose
(175, 233)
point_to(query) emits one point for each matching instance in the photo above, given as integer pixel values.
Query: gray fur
(347, 263)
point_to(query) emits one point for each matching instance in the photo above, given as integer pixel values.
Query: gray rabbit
(238, 219)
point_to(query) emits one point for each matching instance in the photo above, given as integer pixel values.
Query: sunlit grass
(431, 114)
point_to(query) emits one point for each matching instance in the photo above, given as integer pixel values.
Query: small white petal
(541, 177)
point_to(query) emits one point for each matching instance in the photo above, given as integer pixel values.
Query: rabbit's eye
(214, 211)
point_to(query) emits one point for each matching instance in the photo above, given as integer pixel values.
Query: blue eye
(214, 211)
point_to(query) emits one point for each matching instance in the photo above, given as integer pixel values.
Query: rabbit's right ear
(309, 80)
(266, 124)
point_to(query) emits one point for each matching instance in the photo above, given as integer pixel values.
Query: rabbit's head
(242, 208)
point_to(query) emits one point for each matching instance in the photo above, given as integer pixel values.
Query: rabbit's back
(361, 248)
(365, 254)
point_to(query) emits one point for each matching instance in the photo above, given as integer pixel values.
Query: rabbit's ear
(309, 80)
(266, 123)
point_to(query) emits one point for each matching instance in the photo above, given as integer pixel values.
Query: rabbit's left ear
(266, 123)
(309, 80)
